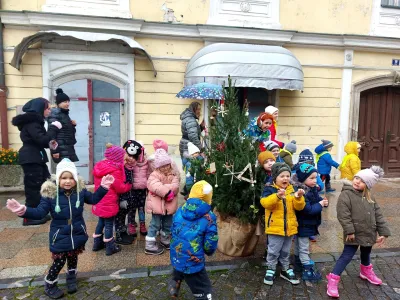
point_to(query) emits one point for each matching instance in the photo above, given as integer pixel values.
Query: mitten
(107, 181)
(53, 145)
(123, 204)
(57, 124)
(170, 196)
(16, 207)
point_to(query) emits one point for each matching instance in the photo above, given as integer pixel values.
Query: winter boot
(298, 266)
(98, 243)
(269, 277)
(51, 289)
(367, 272)
(332, 287)
(152, 247)
(132, 229)
(111, 246)
(165, 241)
(310, 273)
(122, 238)
(290, 276)
(174, 287)
(72, 286)
(143, 229)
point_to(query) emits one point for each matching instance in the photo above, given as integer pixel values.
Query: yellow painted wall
(33, 5)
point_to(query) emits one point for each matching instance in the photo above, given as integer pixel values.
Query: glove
(170, 196)
(123, 204)
(107, 181)
(53, 145)
(16, 207)
(57, 124)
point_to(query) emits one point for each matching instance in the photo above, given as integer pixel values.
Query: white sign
(105, 119)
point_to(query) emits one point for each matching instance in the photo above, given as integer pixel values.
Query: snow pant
(34, 176)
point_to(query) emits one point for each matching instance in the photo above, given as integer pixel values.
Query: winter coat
(309, 219)
(174, 166)
(324, 161)
(191, 131)
(256, 134)
(272, 129)
(159, 185)
(109, 206)
(287, 157)
(141, 173)
(351, 163)
(280, 216)
(34, 137)
(194, 233)
(320, 183)
(65, 137)
(67, 228)
(359, 217)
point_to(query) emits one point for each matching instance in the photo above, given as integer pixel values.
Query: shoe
(30, 222)
(174, 287)
(298, 266)
(132, 230)
(143, 229)
(332, 287)
(72, 286)
(51, 289)
(290, 276)
(98, 243)
(165, 241)
(111, 247)
(367, 272)
(122, 238)
(310, 273)
(330, 190)
(152, 247)
(312, 239)
(269, 277)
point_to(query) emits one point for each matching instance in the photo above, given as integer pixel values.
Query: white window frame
(385, 21)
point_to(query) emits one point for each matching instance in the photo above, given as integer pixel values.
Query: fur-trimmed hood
(30, 117)
(295, 182)
(49, 187)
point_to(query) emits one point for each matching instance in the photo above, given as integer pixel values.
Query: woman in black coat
(32, 156)
(66, 136)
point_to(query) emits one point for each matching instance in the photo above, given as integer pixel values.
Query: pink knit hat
(115, 154)
(161, 158)
(160, 144)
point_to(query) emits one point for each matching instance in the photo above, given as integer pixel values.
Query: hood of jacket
(194, 209)
(187, 113)
(320, 149)
(348, 186)
(36, 105)
(49, 187)
(351, 148)
(30, 117)
(104, 167)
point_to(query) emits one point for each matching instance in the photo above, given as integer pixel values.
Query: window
(391, 3)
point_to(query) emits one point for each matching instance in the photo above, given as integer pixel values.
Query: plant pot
(235, 237)
(11, 175)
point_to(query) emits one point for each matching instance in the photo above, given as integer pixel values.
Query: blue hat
(306, 156)
(304, 171)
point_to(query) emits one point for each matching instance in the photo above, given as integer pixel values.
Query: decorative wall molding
(385, 21)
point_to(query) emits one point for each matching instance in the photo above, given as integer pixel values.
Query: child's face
(358, 184)
(275, 115)
(67, 181)
(275, 152)
(129, 159)
(283, 180)
(268, 164)
(311, 181)
(165, 169)
(329, 149)
(266, 124)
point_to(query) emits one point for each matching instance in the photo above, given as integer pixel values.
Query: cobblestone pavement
(245, 282)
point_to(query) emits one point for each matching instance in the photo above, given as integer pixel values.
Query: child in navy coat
(64, 199)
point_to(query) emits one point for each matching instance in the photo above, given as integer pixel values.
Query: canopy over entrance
(259, 66)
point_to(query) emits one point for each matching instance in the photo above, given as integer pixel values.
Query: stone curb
(239, 263)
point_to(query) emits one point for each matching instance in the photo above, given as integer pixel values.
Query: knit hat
(370, 176)
(133, 148)
(278, 168)
(291, 147)
(271, 109)
(271, 145)
(264, 156)
(61, 96)
(192, 148)
(327, 144)
(304, 171)
(262, 117)
(306, 156)
(66, 165)
(161, 158)
(115, 154)
(160, 144)
(202, 190)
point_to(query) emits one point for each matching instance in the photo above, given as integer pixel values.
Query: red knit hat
(115, 154)
(262, 117)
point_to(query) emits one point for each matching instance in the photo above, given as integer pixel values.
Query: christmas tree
(234, 156)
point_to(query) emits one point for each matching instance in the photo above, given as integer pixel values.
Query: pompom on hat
(66, 165)
(370, 176)
(264, 156)
(192, 148)
(271, 109)
(291, 147)
(304, 171)
(61, 96)
(202, 190)
(160, 144)
(161, 158)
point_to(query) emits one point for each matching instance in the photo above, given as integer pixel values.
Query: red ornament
(221, 147)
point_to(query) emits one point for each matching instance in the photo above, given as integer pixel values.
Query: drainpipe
(3, 94)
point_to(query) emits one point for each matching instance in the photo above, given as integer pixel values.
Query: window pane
(74, 89)
(395, 3)
(103, 89)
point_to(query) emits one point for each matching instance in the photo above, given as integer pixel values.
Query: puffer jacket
(287, 157)
(159, 185)
(359, 217)
(194, 233)
(174, 166)
(191, 131)
(324, 161)
(109, 206)
(141, 173)
(65, 137)
(256, 134)
(351, 163)
(67, 228)
(280, 216)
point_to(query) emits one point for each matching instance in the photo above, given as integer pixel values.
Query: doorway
(379, 129)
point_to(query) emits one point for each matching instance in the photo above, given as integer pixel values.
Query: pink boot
(132, 230)
(367, 272)
(332, 288)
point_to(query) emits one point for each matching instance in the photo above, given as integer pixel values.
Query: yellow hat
(202, 190)
(263, 156)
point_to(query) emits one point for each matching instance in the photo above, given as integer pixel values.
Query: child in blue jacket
(64, 199)
(325, 163)
(194, 233)
(192, 166)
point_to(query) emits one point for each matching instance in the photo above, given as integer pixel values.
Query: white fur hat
(192, 148)
(271, 109)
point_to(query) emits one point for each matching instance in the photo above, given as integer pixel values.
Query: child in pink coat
(160, 144)
(162, 202)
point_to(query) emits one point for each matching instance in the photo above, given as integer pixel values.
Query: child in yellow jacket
(280, 201)
(351, 163)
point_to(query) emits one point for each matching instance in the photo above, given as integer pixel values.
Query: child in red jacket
(108, 207)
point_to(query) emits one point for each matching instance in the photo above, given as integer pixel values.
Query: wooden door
(379, 129)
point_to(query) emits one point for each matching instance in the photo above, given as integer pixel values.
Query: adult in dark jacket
(32, 156)
(66, 136)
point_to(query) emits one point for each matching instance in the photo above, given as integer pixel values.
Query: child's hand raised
(281, 193)
(324, 202)
(107, 181)
(299, 193)
(16, 207)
